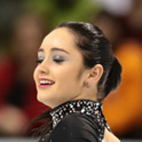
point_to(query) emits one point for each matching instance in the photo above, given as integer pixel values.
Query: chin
(40, 97)
(46, 101)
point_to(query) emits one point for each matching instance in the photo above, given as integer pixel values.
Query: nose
(42, 68)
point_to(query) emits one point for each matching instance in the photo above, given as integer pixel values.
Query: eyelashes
(39, 61)
(57, 59)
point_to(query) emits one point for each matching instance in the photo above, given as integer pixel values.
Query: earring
(86, 84)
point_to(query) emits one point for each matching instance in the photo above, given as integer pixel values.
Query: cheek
(35, 74)
(70, 77)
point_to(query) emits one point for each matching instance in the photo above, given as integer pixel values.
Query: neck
(85, 96)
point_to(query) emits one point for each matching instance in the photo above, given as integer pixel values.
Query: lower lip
(44, 86)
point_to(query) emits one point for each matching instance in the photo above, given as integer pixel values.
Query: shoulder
(109, 137)
(79, 121)
(76, 128)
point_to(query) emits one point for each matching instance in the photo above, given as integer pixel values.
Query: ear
(95, 74)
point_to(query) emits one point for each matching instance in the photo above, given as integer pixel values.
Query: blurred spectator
(123, 108)
(111, 27)
(9, 9)
(59, 11)
(116, 7)
(18, 102)
(133, 21)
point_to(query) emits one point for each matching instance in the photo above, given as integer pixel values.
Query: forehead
(60, 37)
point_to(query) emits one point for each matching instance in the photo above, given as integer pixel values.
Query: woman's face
(60, 74)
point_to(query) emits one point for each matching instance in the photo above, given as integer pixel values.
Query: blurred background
(24, 23)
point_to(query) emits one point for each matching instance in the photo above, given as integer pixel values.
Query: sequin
(83, 110)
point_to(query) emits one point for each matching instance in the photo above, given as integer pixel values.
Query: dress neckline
(87, 107)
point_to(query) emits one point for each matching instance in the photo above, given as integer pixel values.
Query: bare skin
(109, 137)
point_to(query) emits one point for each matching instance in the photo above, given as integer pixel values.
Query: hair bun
(114, 76)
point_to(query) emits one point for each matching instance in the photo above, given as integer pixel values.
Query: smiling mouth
(45, 83)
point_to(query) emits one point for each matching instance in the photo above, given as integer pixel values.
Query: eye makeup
(55, 56)
(40, 59)
(41, 56)
(58, 58)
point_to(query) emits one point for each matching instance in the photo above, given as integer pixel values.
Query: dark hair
(95, 49)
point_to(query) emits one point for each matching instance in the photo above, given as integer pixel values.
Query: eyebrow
(40, 50)
(54, 49)
(59, 49)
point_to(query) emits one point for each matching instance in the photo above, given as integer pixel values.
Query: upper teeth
(45, 82)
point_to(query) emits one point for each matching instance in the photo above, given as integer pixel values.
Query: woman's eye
(40, 60)
(58, 59)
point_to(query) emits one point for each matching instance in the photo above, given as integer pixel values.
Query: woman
(76, 71)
